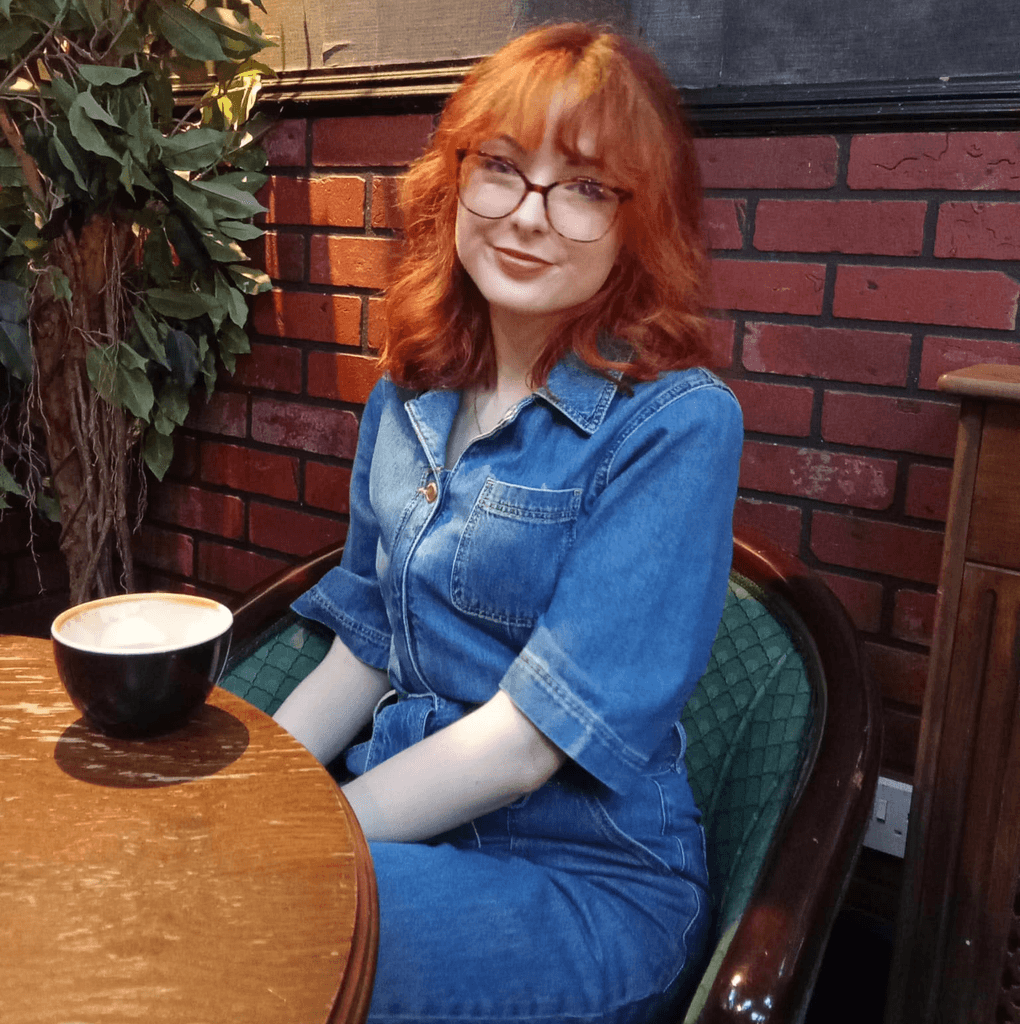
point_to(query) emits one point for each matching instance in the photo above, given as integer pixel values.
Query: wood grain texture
(210, 876)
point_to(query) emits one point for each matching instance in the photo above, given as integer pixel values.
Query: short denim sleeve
(348, 599)
(636, 607)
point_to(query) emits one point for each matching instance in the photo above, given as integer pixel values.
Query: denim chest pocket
(511, 550)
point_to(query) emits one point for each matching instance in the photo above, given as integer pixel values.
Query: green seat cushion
(748, 726)
(264, 672)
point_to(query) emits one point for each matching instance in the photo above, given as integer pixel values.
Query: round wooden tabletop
(212, 876)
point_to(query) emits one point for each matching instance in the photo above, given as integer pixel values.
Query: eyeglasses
(580, 209)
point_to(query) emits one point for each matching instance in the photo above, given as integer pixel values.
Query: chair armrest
(771, 965)
(256, 610)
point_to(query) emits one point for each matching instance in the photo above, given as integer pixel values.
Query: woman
(537, 558)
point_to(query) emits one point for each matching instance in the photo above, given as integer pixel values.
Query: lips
(520, 265)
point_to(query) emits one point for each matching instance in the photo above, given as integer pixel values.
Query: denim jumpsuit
(575, 557)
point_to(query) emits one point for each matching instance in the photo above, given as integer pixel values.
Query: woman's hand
(331, 704)
(481, 762)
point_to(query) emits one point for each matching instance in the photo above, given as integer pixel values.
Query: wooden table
(215, 876)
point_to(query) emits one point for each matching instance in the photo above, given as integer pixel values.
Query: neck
(517, 344)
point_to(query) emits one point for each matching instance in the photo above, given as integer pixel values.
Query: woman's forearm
(479, 763)
(331, 704)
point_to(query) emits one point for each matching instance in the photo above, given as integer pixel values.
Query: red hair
(654, 297)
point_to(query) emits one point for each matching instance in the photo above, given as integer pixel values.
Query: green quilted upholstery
(265, 672)
(748, 727)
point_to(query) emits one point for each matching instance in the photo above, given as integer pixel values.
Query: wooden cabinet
(957, 953)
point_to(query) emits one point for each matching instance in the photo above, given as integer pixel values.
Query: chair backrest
(753, 725)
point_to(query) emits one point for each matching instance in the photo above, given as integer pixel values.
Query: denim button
(431, 491)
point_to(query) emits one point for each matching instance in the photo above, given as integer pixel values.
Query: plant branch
(28, 165)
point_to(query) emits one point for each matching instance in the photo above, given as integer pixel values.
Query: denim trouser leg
(469, 935)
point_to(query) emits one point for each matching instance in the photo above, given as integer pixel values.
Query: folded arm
(482, 762)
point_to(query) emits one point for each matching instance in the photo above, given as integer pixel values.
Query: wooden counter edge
(985, 380)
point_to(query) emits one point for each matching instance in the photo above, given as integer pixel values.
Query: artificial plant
(123, 286)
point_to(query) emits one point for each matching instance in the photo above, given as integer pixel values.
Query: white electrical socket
(887, 831)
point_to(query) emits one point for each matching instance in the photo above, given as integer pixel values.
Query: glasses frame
(622, 194)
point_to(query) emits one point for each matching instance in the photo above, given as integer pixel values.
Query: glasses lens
(582, 210)
(488, 186)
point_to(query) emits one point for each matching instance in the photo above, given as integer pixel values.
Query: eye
(590, 190)
(492, 164)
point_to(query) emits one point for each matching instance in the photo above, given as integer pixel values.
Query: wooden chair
(783, 753)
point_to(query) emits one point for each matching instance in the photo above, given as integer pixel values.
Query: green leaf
(233, 299)
(195, 149)
(228, 201)
(249, 280)
(61, 285)
(240, 37)
(183, 356)
(147, 330)
(95, 110)
(8, 485)
(68, 160)
(16, 350)
(96, 74)
(194, 200)
(116, 372)
(232, 339)
(182, 305)
(158, 452)
(240, 230)
(187, 32)
(86, 133)
(64, 93)
(223, 250)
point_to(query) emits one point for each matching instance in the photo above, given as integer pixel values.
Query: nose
(530, 215)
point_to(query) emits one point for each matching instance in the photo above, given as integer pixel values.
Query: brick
(328, 487)
(342, 376)
(901, 675)
(768, 287)
(285, 143)
(780, 523)
(376, 322)
(978, 231)
(854, 226)
(831, 353)
(941, 355)
(794, 162)
(273, 367)
(247, 469)
(167, 550)
(914, 616)
(889, 423)
(184, 463)
(721, 334)
(928, 492)
(304, 428)
(893, 424)
(774, 408)
(861, 598)
(336, 201)
(224, 412)
(310, 316)
(235, 569)
(281, 255)
(937, 160)
(386, 202)
(901, 728)
(956, 298)
(819, 475)
(351, 262)
(724, 223)
(290, 531)
(373, 141)
(197, 509)
(876, 546)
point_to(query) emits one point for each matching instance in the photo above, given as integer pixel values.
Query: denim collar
(573, 388)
